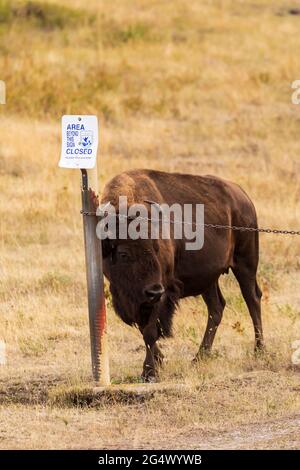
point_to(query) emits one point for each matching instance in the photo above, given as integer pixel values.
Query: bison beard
(139, 269)
(154, 322)
(140, 315)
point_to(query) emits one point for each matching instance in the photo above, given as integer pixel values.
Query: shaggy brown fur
(133, 265)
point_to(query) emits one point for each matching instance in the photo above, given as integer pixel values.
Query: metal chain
(254, 229)
(88, 213)
(216, 226)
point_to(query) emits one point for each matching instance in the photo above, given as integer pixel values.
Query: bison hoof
(201, 355)
(149, 376)
(260, 350)
(196, 360)
(150, 379)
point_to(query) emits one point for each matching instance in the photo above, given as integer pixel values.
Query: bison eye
(123, 256)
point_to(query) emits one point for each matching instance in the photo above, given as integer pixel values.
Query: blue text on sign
(75, 127)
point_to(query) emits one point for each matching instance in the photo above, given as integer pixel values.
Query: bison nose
(154, 292)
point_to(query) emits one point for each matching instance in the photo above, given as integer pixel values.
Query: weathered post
(79, 150)
(94, 275)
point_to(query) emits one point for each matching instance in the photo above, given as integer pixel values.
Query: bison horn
(101, 211)
(155, 204)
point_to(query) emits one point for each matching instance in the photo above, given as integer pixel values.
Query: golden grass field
(199, 87)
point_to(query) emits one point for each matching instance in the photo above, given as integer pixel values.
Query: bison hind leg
(252, 296)
(215, 303)
(245, 270)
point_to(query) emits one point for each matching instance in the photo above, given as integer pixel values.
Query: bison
(148, 277)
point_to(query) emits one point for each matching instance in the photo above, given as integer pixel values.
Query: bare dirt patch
(281, 433)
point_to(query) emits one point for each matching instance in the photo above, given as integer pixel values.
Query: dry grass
(201, 87)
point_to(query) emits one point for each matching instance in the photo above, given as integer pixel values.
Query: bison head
(135, 272)
(141, 276)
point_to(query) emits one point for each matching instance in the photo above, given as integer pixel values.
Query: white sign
(79, 141)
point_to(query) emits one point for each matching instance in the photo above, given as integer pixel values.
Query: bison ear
(107, 248)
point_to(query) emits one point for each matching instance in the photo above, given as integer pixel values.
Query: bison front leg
(158, 355)
(154, 356)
